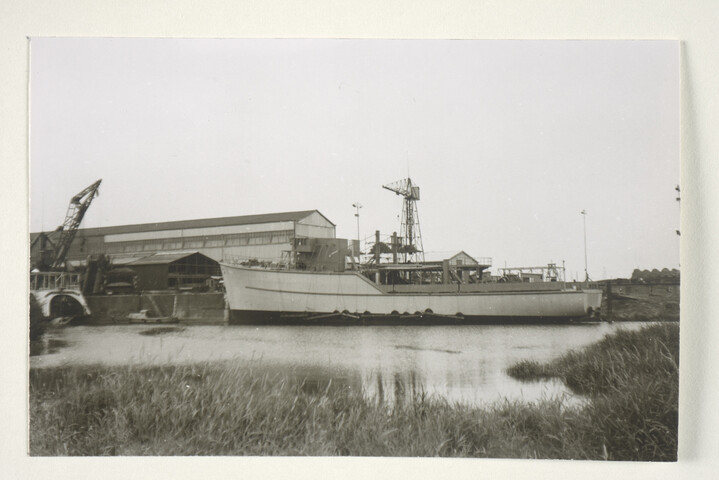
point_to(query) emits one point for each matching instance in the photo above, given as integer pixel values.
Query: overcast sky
(508, 140)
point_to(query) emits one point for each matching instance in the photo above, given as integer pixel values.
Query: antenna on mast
(411, 241)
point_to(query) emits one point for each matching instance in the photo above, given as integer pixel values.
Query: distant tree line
(655, 276)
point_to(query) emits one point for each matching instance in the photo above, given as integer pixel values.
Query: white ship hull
(256, 295)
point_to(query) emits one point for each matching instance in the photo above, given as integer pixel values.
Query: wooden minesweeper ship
(284, 296)
(314, 287)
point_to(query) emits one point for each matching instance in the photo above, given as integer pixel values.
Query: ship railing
(54, 280)
(254, 261)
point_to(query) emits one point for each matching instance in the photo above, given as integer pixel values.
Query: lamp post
(357, 206)
(584, 218)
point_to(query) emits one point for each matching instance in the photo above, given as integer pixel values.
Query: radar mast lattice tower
(411, 246)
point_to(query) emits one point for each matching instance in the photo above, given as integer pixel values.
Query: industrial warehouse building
(172, 271)
(272, 238)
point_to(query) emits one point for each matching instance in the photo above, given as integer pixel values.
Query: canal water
(460, 363)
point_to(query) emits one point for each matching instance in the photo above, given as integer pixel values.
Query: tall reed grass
(239, 409)
(632, 380)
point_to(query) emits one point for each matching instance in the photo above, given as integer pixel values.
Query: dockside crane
(54, 293)
(79, 204)
(411, 246)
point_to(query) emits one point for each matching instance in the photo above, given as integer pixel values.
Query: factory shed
(173, 271)
(455, 259)
(265, 237)
(465, 266)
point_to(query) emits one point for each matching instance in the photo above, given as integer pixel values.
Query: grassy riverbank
(230, 409)
(632, 379)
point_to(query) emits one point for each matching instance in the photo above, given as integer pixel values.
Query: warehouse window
(280, 237)
(260, 238)
(215, 242)
(193, 243)
(152, 246)
(114, 248)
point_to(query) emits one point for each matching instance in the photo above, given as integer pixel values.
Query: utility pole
(584, 218)
(357, 206)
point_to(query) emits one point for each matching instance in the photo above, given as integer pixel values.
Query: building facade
(268, 238)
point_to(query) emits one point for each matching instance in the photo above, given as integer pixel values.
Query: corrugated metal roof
(200, 223)
(163, 258)
(124, 259)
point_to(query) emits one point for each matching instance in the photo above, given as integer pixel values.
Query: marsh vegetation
(630, 381)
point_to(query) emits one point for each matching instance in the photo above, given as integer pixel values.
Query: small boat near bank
(144, 316)
(257, 295)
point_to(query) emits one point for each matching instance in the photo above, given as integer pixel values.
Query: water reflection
(390, 364)
(46, 345)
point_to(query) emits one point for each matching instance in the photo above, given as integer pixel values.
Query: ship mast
(411, 242)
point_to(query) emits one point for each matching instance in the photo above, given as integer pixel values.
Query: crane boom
(404, 188)
(75, 212)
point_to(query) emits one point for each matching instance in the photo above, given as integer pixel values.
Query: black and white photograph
(354, 247)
